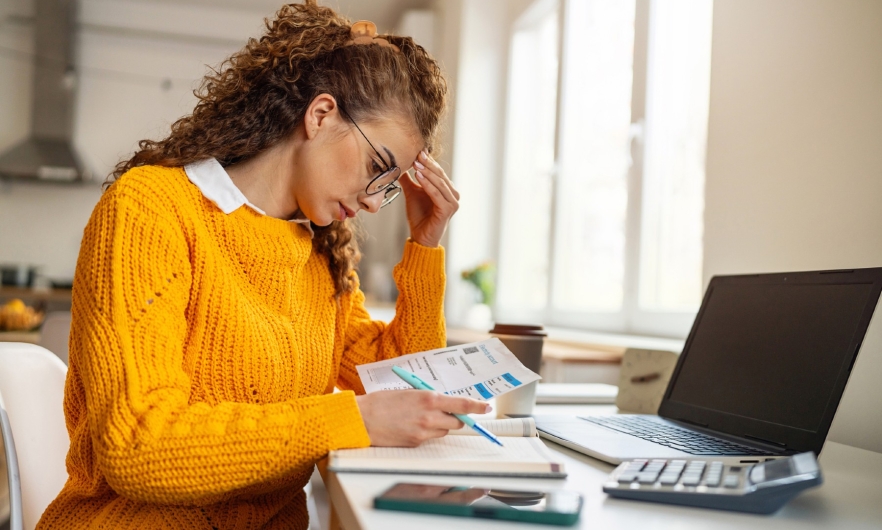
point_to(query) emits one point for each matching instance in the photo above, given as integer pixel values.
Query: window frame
(631, 318)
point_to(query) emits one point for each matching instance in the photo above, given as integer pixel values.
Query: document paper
(479, 370)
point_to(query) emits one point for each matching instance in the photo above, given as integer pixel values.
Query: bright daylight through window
(601, 226)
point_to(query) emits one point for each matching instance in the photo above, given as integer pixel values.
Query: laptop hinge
(763, 440)
(704, 427)
(690, 422)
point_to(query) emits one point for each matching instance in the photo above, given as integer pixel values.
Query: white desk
(850, 498)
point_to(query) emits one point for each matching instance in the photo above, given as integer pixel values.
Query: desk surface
(850, 498)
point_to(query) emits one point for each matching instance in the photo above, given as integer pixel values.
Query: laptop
(760, 375)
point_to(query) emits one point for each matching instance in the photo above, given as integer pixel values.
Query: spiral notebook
(460, 453)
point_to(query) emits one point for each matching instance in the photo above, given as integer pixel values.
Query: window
(529, 158)
(601, 224)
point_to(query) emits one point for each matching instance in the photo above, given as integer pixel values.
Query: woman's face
(335, 163)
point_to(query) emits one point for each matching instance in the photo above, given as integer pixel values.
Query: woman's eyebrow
(391, 157)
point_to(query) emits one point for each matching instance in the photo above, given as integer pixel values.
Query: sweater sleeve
(152, 444)
(419, 316)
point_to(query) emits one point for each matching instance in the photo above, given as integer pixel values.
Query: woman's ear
(321, 108)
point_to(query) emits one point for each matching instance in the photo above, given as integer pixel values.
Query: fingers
(410, 417)
(407, 184)
(461, 405)
(432, 177)
(434, 167)
(441, 421)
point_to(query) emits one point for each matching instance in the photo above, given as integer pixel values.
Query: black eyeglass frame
(392, 190)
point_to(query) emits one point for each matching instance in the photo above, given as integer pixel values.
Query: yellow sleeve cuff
(345, 426)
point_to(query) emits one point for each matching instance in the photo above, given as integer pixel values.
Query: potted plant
(483, 278)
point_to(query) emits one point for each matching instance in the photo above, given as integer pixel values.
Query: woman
(216, 305)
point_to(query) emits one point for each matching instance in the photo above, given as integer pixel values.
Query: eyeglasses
(387, 180)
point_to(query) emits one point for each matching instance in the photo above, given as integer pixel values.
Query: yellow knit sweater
(204, 350)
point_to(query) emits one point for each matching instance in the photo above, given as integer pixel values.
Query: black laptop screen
(771, 352)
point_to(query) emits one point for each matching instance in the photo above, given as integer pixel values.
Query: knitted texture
(204, 351)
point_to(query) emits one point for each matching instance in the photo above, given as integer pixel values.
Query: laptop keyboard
(685, 440)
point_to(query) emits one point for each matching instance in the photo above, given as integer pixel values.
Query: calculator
(758, 488)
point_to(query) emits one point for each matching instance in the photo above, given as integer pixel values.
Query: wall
(39, 224)
(386, 232)
(477, 140)
(794, 159)
(138, 64)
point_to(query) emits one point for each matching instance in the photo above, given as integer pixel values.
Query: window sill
(580, 346)
(567, 345)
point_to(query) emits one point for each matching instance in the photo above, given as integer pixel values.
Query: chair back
(11, 489)
(32, 390)
(55, 332)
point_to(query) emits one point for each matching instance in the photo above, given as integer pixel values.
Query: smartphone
(557, 507)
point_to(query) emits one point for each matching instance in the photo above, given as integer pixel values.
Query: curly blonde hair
(259, 96)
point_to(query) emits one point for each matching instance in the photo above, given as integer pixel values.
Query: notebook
(461, 452)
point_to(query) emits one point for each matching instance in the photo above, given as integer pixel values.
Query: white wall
(794, 156)
(39, 224)
(794, 160)
(477, 140)
(138, 64)
(386, 232)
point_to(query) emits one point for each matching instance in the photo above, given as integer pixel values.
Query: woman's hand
(431, 201)
(407, 418)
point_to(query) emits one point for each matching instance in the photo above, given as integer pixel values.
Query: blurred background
(612, 155)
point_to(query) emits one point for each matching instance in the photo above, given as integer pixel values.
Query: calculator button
(669, 480)
(731, 481)
(691, 480)
(712, 480)
(627, 478)
(647, 477)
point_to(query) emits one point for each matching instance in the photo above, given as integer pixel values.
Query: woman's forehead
(400, 137)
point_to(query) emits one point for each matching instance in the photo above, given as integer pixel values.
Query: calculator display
(774, 470)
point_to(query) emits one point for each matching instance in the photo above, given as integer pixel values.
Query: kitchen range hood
(48, 154)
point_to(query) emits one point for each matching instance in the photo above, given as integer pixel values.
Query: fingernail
(424, 156)
(487, 409)
(419, 175)
(418, 165)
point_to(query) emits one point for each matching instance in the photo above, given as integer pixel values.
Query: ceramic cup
(525, 342)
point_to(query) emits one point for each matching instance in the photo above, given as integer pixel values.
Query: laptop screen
(769, 354)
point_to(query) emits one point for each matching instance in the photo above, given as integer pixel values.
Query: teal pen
(419, 384)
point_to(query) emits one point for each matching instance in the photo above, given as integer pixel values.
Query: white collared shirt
(216, 185)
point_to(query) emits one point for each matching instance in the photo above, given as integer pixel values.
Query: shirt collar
(216, 185)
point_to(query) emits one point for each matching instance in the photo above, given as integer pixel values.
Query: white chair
(32, 390)
(54, 333)
(10, 511)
